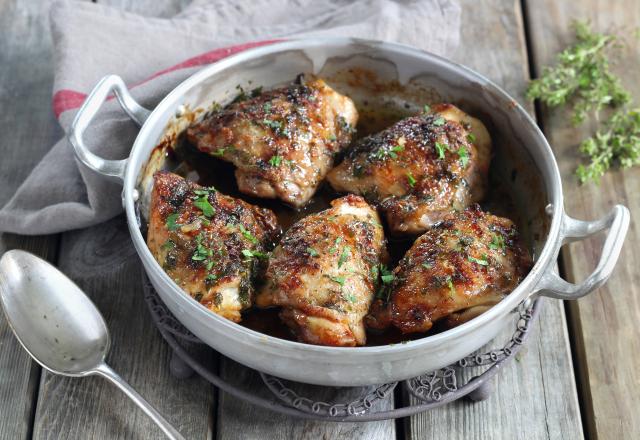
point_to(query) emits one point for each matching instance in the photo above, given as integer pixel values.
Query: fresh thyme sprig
(582, 77)
(618, 141)
(583, 80)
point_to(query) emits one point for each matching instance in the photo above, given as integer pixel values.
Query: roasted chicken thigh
(419, 169)
(210, 244)
(460, 267)
(281, 141)
(324, 273)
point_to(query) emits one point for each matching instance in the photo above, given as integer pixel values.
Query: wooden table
(576, 378)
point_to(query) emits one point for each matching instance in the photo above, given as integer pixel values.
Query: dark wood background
(578, 376)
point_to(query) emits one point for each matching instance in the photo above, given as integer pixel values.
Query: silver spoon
(59, 326)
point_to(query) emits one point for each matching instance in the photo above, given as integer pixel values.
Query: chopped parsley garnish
(481, 261)
(210, 278)
(439, 121)
(497, 242)
(209, 265)
(334, 248)
(450, 284)
(441, 148)
(386, 279)
(351, 298)
(463, 155)
(387, 276)
(266, 107)
(471, 137)
(169, 244)
(312, 252)
(396, 149)
(219, 152)
(427, 265)
(332, 137)
(275, 161)
(277, 126)
(384, 152)
(339, 280)
(344, 256)
(411, 179)
(247, 234)
(203, 204)
(201, 253)
(250, 254)
(171, 221)
(426, 108)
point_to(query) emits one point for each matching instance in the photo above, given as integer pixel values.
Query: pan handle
(112, 169)
(617, 221)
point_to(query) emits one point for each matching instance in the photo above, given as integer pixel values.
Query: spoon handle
(105, 371)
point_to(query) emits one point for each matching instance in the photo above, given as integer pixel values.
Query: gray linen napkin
(153, 55)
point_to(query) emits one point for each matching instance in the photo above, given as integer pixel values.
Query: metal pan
(523, 158)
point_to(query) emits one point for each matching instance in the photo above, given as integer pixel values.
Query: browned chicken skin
(208, 243)
(324, 273)
(460, 267)
(419, 169)
(282, 141)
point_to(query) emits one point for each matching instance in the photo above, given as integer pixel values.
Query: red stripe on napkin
(66, 99)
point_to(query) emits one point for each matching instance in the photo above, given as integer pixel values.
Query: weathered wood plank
(607, 342)
(102, 261)
(535, 396)
(25, 96)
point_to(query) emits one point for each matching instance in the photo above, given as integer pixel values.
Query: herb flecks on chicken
(324, 273)
(458, 269)
(419, 169)
(282, 141)
(210, 244)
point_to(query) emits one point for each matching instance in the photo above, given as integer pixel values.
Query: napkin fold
(153, 55)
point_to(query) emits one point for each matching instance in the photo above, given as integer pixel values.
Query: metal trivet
(465, 378)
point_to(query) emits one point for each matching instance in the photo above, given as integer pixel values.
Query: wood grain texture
(103, 262)
(25, 94)
(534, 397)
(605, 323)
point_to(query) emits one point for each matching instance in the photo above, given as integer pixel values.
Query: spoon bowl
(59, 326)
(51, 316)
